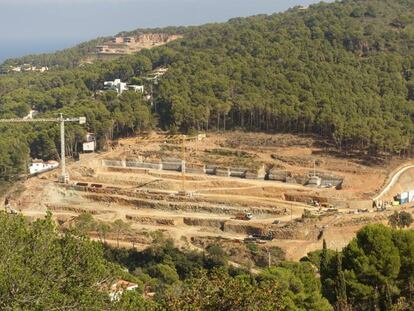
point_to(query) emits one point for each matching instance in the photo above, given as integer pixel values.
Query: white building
(120, 87)
(31, 114)
(136, 88)
(119, 287)
(38, 166)
(90, 143)
(116, 85)
(28, 68)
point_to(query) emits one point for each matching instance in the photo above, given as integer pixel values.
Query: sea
(13, 49)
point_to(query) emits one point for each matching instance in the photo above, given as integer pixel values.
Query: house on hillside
(39, 166)
(32, 113)
(89, 145)
(117, 40)
(118, 288)
(118, 86)
(129, 40)
(136, 88)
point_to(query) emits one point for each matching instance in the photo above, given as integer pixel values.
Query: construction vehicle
(244, 216)
(327, 205)
(264, 237)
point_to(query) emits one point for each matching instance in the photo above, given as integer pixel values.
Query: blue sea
(15, 49)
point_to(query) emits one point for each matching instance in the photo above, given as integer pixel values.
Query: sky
(33, 26)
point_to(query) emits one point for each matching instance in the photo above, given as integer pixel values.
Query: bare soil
(150, 200)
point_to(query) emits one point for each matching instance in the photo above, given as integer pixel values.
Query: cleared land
(150, 200)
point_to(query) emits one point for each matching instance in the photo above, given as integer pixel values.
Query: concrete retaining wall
(171, 166)
(223, 172)
(113, 163)
(154, 166)
(238, 172)
(259, 174)
(278, 175)
(211, 170)
(194, 170)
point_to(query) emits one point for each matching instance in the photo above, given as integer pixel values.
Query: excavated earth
(152, 200)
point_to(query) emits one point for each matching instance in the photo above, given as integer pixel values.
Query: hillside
(75, 56)
(343, 71)
(67, 270)
(67, 58)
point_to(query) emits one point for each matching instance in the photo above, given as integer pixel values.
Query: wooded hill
(47, 269)
(344, 71)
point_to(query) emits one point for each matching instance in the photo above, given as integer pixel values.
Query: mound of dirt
(151, 220)
(204, 222)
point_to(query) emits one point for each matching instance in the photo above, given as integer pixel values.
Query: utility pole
(152, 98)
(269, 258)
(152, 80)
(64, 177)
(183, 163)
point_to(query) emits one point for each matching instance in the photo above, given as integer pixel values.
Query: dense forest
(343, 71)
(45, 268)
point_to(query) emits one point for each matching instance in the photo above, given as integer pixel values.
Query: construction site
(274, 190)
(128, 45)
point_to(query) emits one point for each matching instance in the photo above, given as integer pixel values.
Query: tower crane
(64, 177)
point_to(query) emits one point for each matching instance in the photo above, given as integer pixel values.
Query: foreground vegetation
(342, 70)
(43, 268)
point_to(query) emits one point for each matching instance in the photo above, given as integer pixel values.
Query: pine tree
(375, 301)
(340, 286)
(387, 302)
(324, 269)
(324, 259)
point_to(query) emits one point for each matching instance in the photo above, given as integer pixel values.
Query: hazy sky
(44, 25)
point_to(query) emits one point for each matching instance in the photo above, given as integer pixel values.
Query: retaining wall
(237, 172)
(223, 172)
(211, 170)
(154, 166)
(278, 175)
(194, 170)
(113, 163)
(255, 175)
(172, 166)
